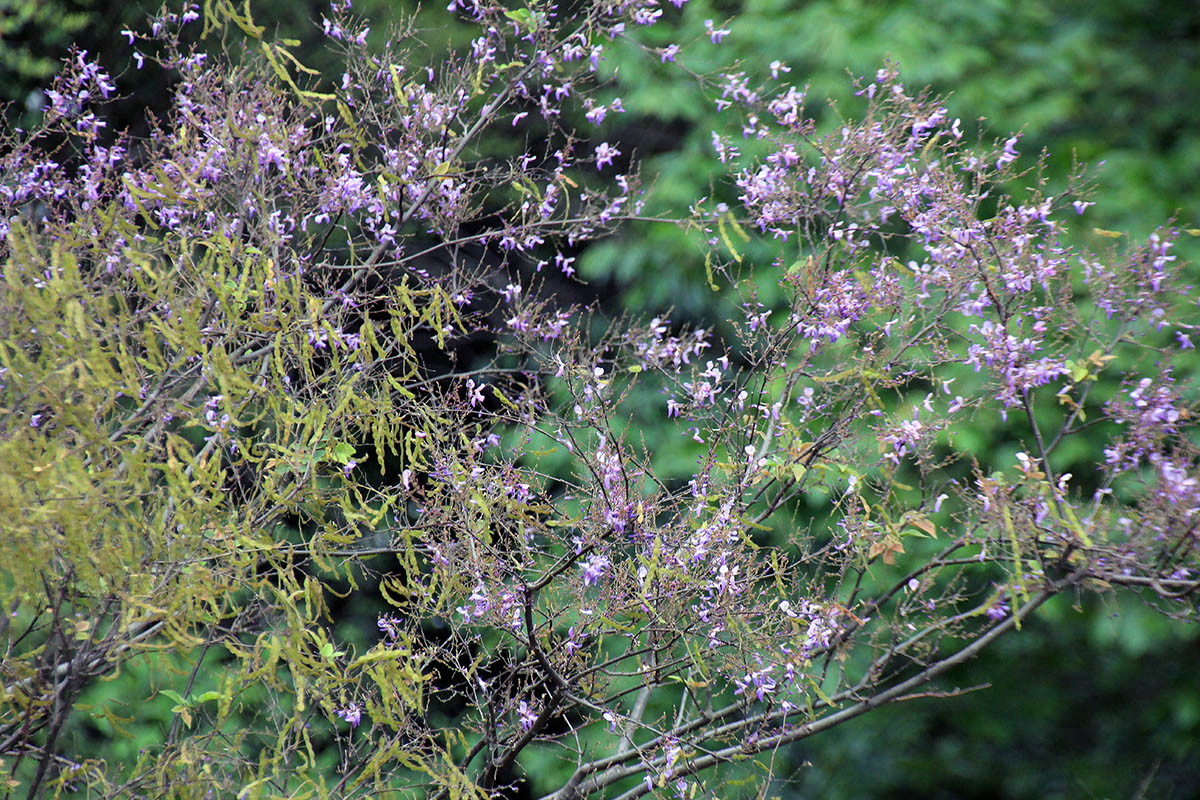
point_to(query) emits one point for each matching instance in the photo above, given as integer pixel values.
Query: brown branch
(892, 694)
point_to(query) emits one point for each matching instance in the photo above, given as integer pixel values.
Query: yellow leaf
(725, 238)
(921, 522)
(888, 548)
(504, 399)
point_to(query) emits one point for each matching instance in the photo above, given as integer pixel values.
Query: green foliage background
(1101, 701)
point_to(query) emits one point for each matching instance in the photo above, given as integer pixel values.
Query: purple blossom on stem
(998, 610)
(715, 34)
(605, 154)
(389, 627)
(352, 713)
(1010, 153)
(594, 568)
(526, 715)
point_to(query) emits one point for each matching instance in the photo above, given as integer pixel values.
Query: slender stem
(894, 693)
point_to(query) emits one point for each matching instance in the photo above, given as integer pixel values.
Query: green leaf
(341, 452)
(523, 17)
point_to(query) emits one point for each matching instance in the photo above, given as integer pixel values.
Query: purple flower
(526, 715)
(564, 264)
(715, 34)
(597, 114)
(998, 610)
(594, 568)
(1010, 152)
(389, 626)
(481, 604)
(211, 407)
(474, 393)
(646, 16)
(572, 645)
(605, 154)
(351, 713)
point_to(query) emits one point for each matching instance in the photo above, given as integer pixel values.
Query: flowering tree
(306, 343)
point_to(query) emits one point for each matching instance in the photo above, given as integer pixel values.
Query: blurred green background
(1094, 701)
